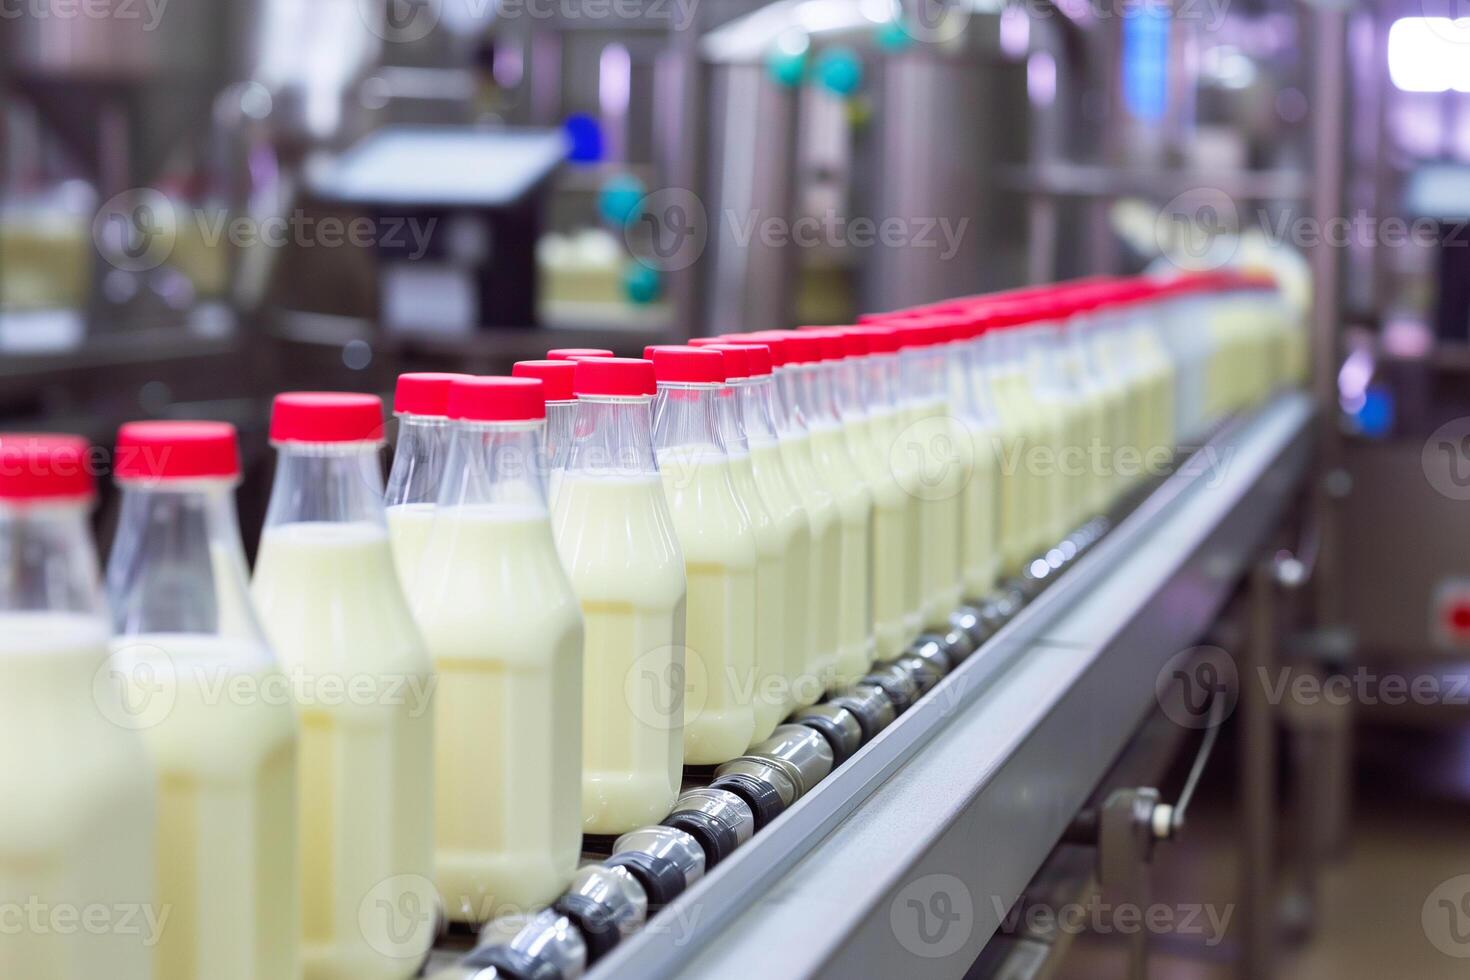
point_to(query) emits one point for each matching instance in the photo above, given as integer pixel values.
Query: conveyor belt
(1012, 744)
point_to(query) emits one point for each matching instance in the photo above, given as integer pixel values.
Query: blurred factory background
(204, 202)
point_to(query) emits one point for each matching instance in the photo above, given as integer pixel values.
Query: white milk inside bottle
(973, 403)
(832, 457)
(867, 415)
(769, 689)
(822, 512)
(561, 414)
(79, 791)
(505, 632)
(1019, 500)
(616, 540)
(933, 443)
(895, 548)
(334, 609)
(757, 401)
(418, 465)
(224, 740)
(717, 540)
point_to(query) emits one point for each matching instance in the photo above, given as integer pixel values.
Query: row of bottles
(576, 581)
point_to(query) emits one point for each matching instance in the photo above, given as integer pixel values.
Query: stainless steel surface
(1025, 729)
(616, 891)
(870, 704)
(769, 772)
(724, 807)
(800, 752)
(834, 721)
(667, 844)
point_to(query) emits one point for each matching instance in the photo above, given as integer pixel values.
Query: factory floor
(1409, 835)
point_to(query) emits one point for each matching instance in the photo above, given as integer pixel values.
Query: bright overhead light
(1430, 54)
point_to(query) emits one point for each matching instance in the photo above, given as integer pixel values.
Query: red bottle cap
(423, 393)
(555, 376)
(572, 353)
(859, 341)
(833, 346)
(773, 341)
(497, 400)
(882, 338)
(326, 416)
(685, 364)
(37, 468)
(628, 377)
(152, 451)
(737, 361)
(799, 346)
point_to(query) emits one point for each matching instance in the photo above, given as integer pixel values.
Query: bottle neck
(920, 381)
(729, 421)
(814, 396)
(614, 438)
(47, 561)
(785, 404)
(684, 420)
(495, 465)
(339, 483)
(847, 387)
(561, 431)
(754, 396)
(418, 461)
(177, 565)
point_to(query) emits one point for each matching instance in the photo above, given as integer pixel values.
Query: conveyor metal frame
(1013, 742)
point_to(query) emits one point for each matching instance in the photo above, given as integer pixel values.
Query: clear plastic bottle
(974, 404)
(333, 607)
(225, 744)
(561, 416)
(822, 512)
(933, 441)
(757, 401)
(831, 442)
(79, 792)
(717, 539)
(865, 403)
(616, 540)
(999, 373)
(504, 628)
(418, 465)
(769, 690)
(897, 599)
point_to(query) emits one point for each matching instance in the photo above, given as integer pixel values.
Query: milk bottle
(717, 539)
(769, 692)
(980, 506)
(418, 465)
(756, 398)
(561, 414)
(834, 462)
(224, 737)
(822, 512)
(937, 477)
(616, 540)
(503, 626)
(1018, 500)
(884, 377)
(334, 608)
(79, 792)
(865, 403)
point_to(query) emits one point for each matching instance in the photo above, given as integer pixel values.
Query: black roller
(594, 921)
(718, 840)
(661, 878)
(765, 803)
